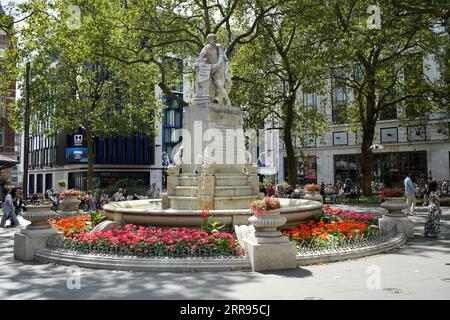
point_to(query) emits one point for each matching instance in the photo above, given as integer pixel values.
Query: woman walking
(9, 211)
(433, 223)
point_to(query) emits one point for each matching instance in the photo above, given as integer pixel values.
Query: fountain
(224, 182)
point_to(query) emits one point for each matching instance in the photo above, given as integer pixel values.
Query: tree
(72, 85)
(382, 67)
(155, 29)
(274, 70)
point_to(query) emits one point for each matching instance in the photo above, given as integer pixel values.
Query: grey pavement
(418, 270)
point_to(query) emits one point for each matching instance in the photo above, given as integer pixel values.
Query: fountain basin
(150, 212)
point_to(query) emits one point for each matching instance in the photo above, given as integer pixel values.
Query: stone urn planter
(266, 224)
(312, 196)
(268, 249)
(394, 205)
(39, 217)
(70, 205)
(395, 217)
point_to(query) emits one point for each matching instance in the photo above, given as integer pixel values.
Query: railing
(319, 246)
(56, 243)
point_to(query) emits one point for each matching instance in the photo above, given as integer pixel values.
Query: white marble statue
(213, 77)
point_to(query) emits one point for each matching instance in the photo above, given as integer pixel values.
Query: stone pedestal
(213, 173)
(36, 234)
(401, 223)
(26, 244)
(267, 249)
(395, 217)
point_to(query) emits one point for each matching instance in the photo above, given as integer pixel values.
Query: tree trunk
(26, 142)
(90, 172)
(369, 120)
(367, 162)
(287, 136)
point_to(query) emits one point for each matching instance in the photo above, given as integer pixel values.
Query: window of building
(413, 73)
(310, 99)
(389, 135)
(340, 138)
(388, 113)
(416, 133)
(339, 105)
(390, 169)
(306, 169)
(2, 137)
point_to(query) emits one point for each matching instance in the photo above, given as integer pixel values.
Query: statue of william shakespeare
(213, 77)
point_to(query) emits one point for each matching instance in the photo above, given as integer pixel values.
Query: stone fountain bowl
(150, 212)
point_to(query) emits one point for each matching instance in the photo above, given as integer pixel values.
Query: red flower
(204, 213)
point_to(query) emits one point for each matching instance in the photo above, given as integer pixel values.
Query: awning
(6, 162)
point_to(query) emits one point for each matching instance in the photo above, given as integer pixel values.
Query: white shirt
(8, 204)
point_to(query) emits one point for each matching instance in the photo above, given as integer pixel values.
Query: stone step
(188, 180)
(183, 203)
(240, 202)
(231, 180)
(231, 191)
(187, 191)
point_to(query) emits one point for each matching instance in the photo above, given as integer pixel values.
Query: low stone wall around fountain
(150, 212)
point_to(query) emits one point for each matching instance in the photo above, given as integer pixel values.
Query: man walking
(410, 193)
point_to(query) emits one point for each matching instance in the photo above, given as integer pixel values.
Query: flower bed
(392, 193)
(142, 241)
(330, 214)
(72, 226)
(322, 234)
(312, 187)
(335, 227)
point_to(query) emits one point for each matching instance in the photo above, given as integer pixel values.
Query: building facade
(136, 157)
(9, 142)
(398, 147)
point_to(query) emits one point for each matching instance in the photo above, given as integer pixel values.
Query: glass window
(339, 105)
(388, 113)
(2, 134)
(389, 135)
(306, 170)
(310, 99)
(416, 133)
(390, 169)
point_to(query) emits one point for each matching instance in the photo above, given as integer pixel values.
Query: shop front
(389, 169)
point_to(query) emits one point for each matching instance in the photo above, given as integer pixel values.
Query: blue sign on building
(77, 155)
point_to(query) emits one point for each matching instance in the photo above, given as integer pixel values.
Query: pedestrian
(8, 210)
(90, 200)
(433, 223)
(125, 194)
(322, 192)
(34, 198)
(18, 202)
(104, 198)
(118, 196)
(410, 193)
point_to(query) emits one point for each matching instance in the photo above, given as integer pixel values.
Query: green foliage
(282, 188)
(62, 183)
(96, 218)
(138, 190)
(124, 183)
(269, 181)
(111, 190)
